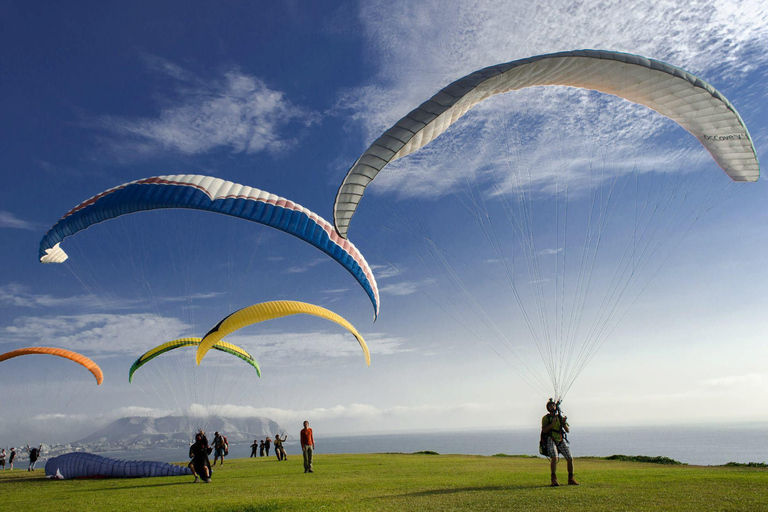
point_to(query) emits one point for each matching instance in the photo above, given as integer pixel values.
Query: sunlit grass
(403, 482)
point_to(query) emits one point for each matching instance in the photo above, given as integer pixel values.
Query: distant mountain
(143, 432)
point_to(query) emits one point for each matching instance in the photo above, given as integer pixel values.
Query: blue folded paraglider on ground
(88, 465)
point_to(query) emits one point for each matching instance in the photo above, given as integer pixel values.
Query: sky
(284, 97)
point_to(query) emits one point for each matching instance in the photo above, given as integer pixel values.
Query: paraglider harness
(544, 436)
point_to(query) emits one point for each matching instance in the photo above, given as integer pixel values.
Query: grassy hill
(403, 482)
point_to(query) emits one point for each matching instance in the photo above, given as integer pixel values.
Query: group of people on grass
(554, 427)
(201, 466)
(554, 443)
(262, 447)
(199, 451)
(34, 454)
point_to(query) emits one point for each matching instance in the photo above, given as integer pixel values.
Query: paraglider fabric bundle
(88, 465)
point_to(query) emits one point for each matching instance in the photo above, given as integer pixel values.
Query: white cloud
(18, 295)
(399, 289)
(306, 266)
(192, 296)
(381, 344)
(238, 112)
(9, 220)
(422, 47)
(353, 411)
(306, 347)
(96, 333)
(337, 290)
(384, 271)
(13, 294)
(751, 382)
(135, 410)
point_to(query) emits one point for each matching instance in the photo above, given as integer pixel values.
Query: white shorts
(553, 448)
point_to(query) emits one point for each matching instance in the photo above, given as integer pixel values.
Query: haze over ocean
(699, 445)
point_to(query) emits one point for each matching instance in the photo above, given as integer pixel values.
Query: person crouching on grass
(200, 464)
(552, 428)
(307, 446)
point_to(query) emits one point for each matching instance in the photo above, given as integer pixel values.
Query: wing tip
(54, 255)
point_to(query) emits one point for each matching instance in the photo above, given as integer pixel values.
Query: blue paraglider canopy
(88, 465)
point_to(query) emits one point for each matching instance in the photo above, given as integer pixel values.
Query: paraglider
(88, 465)
(59, 352)
(574, 240)
(215, 195)
(269, 311)
(191, 342)
(688, 100)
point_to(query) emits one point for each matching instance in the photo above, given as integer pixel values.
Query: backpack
(226, 445)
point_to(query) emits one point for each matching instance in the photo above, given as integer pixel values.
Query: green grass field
(403, 482)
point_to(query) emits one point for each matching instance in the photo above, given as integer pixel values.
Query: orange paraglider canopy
(60, 352)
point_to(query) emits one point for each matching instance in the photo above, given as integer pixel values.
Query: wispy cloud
(298, 269)
(190, 297)
(9, 220)
(106, 334)
(348, 411)
(750, 381)
(382, 344)
(307, 347)
(237, 111)
(424, 47)
(401, 288)
(22, 296)
(384, 271)
(14, 294)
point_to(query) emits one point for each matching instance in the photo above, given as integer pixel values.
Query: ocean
(700, 445)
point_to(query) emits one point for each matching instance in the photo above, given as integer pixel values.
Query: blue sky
(284, 97)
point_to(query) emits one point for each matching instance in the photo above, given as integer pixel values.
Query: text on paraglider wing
(733, 136)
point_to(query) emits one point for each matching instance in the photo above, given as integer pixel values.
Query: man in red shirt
(307, 446)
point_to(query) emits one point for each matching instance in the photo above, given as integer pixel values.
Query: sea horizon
(707, 445)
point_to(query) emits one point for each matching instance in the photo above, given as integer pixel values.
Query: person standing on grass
(553, 428)
(266, 445)
(2, 458)
(219, 447)
(254, 447)
(307, 446)
(261, 448)
(279, 450)
(11, 458)
(34, 454)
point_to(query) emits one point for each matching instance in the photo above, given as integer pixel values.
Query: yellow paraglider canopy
(268, 311)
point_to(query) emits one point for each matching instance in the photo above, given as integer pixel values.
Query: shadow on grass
(458, 490)
(143, 485)
(264, 507)
(29, 478)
